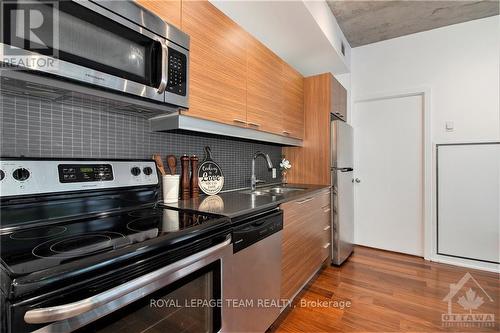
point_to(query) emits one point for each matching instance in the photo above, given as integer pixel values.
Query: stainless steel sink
(256, 192)
(282, 190)
(274, 190)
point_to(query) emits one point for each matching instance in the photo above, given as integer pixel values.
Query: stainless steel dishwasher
(252, 291)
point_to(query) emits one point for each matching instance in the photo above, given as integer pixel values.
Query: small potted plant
(285, 165)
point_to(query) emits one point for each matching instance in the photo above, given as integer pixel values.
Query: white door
(388, 144)
(468, 197)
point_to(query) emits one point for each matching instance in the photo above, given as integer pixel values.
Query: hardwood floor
(390, 292)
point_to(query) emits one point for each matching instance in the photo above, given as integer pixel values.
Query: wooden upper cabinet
(323, 95)
(218, 64)
(233, 78)
(311, 163)
(264, 88)
(293, 102)
(168, 10)
(339, 99)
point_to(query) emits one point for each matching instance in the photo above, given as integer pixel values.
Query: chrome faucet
(269, 166)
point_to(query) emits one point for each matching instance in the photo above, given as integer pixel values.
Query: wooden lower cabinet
(306, 240)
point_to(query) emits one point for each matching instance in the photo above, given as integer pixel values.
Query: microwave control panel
(176, 72)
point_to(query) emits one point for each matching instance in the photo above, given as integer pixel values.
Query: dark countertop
(236, 203)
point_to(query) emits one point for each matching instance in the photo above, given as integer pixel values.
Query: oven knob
(147, 171)
(2, 175)
(21, 174)
(135, 171)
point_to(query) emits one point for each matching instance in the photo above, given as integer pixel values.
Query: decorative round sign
(210, 177)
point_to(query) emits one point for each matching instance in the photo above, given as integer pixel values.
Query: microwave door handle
(66, 311)
(164, 60)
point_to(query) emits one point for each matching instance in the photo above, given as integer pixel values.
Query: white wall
(460, 63)
(459, 66)
(330, 27)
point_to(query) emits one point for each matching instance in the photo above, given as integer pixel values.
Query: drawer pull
(239, 121)
(253, 124)
(304, 201)
(326, 245)
(286, 133)
(326, 210)
(326, 228)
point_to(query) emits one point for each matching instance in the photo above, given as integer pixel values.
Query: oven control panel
(31, 176)
(73, 173)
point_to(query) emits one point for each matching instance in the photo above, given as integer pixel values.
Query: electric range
(79, 230)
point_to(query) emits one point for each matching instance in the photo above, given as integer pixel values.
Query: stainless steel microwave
(115, 45)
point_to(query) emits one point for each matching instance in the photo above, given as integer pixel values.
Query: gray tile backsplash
(77, 128)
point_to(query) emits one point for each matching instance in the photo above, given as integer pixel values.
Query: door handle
(164, 60)
(66, 311)
(342, 169)
(357, 180)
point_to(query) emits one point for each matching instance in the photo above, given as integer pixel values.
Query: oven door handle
(164, 68)
(61, 312)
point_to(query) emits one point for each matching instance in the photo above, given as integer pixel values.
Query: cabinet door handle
(286, 133)
(326, 228)
(326, 210)
(326, 245)
(253, 124)
(304, 201)
(240, 121)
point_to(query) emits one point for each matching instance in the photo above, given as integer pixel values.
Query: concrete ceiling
(365, 22)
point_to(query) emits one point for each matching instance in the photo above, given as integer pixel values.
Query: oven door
(91, 44)
(185, 296)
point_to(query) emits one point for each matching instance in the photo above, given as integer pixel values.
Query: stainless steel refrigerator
(342, 190)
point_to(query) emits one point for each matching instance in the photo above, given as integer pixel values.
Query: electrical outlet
(274, 173)
(449, 126)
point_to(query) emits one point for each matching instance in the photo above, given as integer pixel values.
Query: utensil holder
(170, 188)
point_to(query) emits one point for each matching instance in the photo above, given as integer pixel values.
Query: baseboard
(459, 262)
(482, 266)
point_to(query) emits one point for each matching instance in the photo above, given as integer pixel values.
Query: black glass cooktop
(35, 249)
